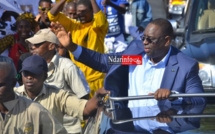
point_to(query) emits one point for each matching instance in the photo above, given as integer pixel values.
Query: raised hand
(63, 36)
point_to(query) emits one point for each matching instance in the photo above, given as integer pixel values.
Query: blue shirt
(145, 79)
(114, 18)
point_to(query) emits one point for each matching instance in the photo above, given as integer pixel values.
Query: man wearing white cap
(62, 72)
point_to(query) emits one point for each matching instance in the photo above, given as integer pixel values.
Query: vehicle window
(205, 16)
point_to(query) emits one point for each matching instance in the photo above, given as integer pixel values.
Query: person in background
(15, 43)
(164, 69)
(114, 11)
(90, 32)
(70, 10)
(57, 102)
(42, 17)
(62, 72)
(19, 113)
(141, 16)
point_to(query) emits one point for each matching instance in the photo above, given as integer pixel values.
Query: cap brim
(35, 40)
(29, 69)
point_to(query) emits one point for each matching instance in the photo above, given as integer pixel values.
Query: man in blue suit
(164, 69)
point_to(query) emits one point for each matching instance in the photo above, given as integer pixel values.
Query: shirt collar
(42, 92)
(23, 92)
(11, 104)
(55, 60)
(163, 62)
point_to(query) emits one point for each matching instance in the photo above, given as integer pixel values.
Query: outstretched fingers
(57, 27)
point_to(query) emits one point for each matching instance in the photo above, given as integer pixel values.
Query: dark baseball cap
(34, 64)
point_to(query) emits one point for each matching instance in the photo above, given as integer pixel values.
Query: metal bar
(152, 96)
(212, 115)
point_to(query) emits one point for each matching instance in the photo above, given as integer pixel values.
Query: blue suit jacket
(181, 73)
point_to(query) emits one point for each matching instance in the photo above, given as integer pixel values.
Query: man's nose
(145, 42)
(29, 77)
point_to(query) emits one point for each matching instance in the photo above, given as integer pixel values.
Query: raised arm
(91, 58)
(95, 6)
(57, 7)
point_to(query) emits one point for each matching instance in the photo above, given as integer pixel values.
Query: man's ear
(168, 40)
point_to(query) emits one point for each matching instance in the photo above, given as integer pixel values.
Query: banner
(20, 6)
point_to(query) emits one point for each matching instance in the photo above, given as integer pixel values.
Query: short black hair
(86, 3)
(70, 4)
(165, 26)
(49, 1)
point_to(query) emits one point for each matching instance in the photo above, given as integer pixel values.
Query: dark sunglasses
(44, 9)
(36, 45)
(148, 39)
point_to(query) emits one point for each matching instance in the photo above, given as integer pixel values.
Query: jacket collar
(171, 70)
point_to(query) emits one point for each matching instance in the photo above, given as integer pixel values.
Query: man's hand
(95, 102)
(101, 95)
(63, 36)
(164, 116)
(161, 94)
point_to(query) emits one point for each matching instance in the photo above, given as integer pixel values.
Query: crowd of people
(59, 58)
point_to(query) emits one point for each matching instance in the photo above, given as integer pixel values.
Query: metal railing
(211, 115)
(112, 99)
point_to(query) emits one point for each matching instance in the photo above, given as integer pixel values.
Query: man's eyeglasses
(44, 9)
(36, 45)
(143, 38)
